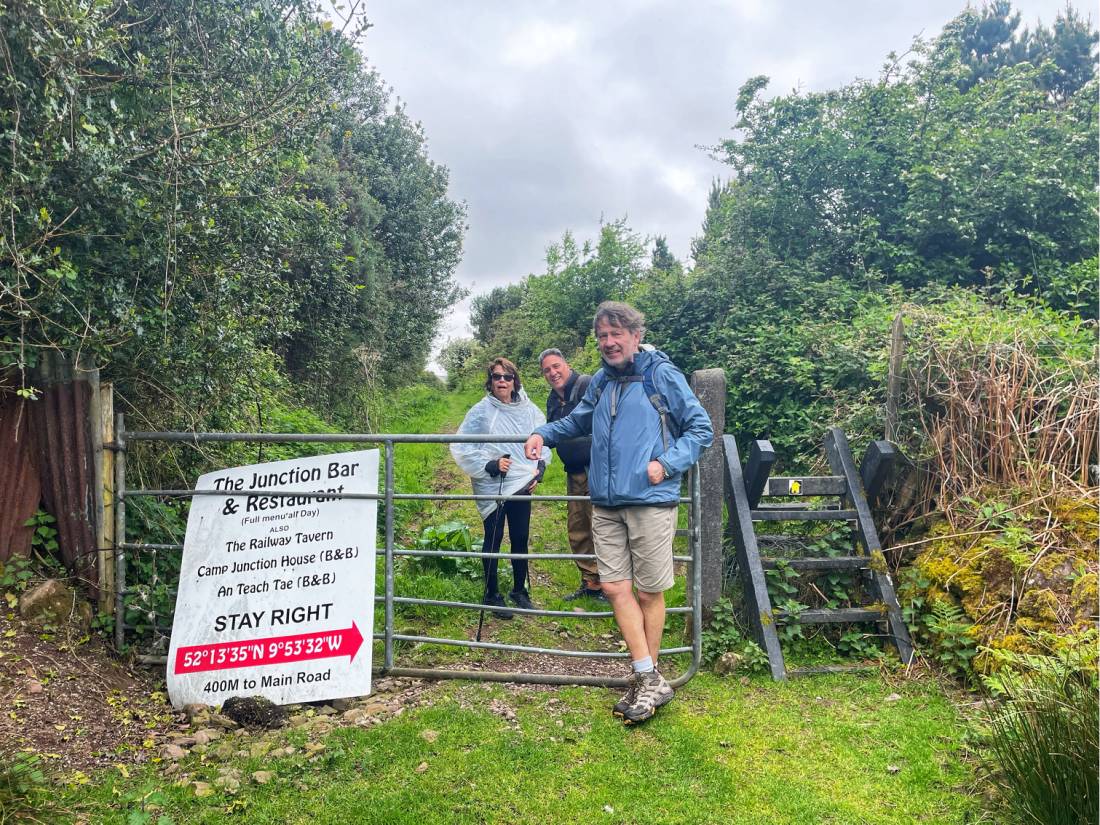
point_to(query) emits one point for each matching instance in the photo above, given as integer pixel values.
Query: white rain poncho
(492, 416)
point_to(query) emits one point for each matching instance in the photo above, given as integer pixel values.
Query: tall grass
(1044, 753)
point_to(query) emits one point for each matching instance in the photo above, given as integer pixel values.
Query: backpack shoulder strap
(669, 428)
(579, 387)
(598, 382)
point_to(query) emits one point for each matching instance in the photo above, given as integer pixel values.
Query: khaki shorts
(635, 543)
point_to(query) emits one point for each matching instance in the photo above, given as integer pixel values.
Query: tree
(487, 308)
(454, 356)
(661, 258)
(919, 177)
(986, 41)
(1070, 47)
(555, 308)
(989, 39)
(965, 166)
(699, 244)
(561, 302)
(210, 195)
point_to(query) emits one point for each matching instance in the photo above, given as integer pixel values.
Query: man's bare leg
(641, 619)
(653, 613)
(629, 617)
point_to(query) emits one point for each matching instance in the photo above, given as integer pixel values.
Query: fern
(953, 646)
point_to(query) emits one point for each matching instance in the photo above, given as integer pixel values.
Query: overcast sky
(553, 115)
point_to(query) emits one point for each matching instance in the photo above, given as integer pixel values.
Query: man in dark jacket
(647, 429)
(567, 388)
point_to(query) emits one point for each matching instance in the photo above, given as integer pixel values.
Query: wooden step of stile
(818, 563)
(789, 514)
(833, 616)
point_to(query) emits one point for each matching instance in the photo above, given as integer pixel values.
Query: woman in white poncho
(503, 469)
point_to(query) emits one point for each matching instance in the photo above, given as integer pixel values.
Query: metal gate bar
(389, 552)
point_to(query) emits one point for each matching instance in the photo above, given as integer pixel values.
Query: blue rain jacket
(626, 433)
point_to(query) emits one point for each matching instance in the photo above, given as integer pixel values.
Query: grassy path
(820, 750)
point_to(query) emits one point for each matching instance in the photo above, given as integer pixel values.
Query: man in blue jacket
(647, 429)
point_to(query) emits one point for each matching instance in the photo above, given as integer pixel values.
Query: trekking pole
(530, 585)
(487, 562)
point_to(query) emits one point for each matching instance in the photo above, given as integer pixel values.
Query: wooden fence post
(105, 499)
(893, 386)
(710, 388)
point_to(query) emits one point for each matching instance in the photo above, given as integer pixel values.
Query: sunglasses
(500, 376)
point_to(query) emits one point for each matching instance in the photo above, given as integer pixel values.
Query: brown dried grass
(1002, 415)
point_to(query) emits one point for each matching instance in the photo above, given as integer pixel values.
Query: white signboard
(276, 593)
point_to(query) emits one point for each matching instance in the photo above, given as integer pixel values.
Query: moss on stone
(1025, 575)
(1085, 597)
(1040, 606)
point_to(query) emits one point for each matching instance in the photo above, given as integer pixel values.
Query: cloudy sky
(554, 115)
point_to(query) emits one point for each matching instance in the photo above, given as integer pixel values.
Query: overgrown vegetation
(440, 538)
(222, 204)
(1001, 420)
(214, 198)
(723, 635)
(18, 573)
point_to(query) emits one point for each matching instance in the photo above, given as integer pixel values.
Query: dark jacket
(574, 452)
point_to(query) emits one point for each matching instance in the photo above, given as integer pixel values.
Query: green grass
(1043, 748)
(822, 751)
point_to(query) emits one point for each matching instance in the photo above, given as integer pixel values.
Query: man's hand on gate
(532, 448)
(656, 472)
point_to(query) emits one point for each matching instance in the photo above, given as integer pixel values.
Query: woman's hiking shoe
(496, 603)
(629, 697)
(522, 600)
(653, 692)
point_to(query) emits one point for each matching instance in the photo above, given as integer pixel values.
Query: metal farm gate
(388, 497)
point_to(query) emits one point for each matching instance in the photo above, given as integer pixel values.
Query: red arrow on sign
(274, 651)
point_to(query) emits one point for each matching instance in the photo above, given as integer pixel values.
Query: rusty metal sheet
(59, 422)
(20, 490)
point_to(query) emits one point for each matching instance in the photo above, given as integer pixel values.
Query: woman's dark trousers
(518, 516)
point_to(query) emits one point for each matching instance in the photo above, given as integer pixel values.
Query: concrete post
(710, 388)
